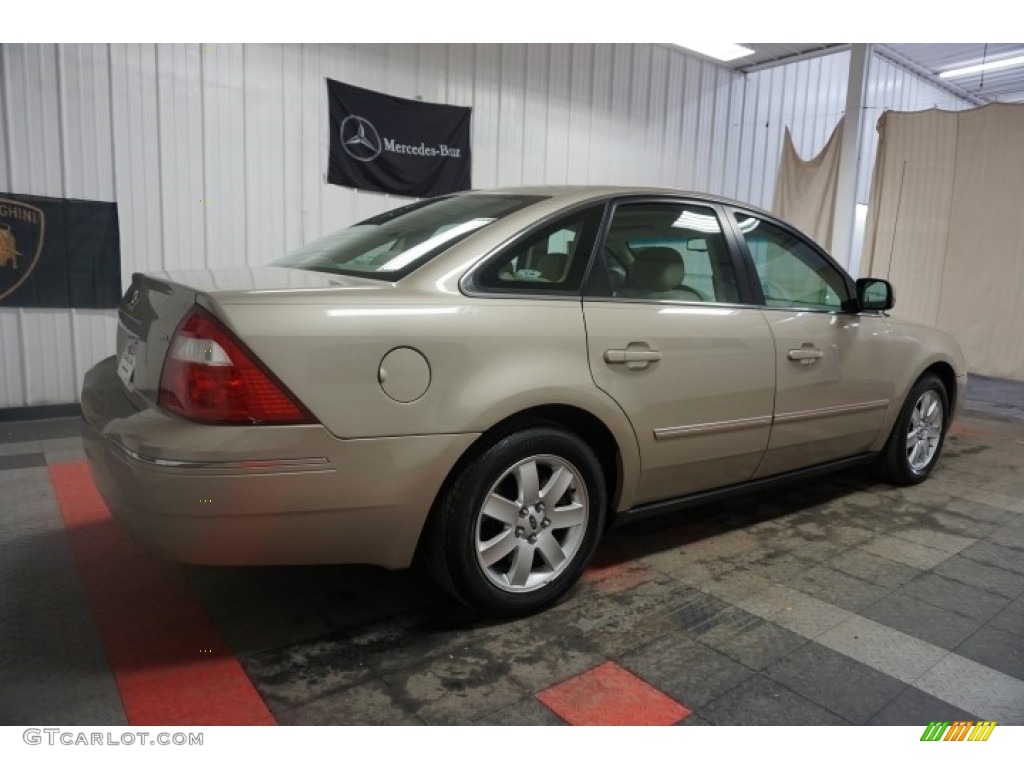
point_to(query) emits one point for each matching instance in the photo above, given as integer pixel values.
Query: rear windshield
(393, 244)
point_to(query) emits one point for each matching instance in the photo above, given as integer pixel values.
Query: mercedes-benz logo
(359, 138)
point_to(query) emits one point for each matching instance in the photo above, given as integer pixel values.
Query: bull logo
(8, 247)
(21, 243)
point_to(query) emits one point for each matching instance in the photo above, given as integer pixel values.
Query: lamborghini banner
(398, 146)
(58, 253)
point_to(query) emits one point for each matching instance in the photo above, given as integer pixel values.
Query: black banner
(399, 146)
(58, 253)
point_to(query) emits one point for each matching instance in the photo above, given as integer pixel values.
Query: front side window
(669, 252)
(393, 244)
(791, 272)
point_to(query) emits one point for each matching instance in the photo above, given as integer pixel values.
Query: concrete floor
(838, 601)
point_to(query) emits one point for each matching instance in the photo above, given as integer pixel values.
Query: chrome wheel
(924, 430)
(532, 523)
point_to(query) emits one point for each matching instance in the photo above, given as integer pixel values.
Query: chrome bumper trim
(312, 462)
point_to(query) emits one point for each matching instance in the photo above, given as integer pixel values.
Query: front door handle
(805, 355)
(635, 356)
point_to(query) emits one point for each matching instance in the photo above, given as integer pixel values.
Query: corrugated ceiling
(1005, 85)
(994, 85)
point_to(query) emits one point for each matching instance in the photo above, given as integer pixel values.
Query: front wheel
(916, 441)
(520, 522)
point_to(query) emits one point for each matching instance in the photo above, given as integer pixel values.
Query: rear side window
(393, 244)
(552, 259)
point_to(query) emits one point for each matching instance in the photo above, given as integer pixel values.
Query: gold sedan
(488, 380)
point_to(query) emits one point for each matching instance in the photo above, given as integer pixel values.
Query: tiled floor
(839, 601)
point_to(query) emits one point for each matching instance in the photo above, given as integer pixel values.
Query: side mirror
(874, 294)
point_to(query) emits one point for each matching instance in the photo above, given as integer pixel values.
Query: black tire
(460, 531)
(894, 462)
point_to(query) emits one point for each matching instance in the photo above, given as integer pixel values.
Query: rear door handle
(806, 356)
(635, 358)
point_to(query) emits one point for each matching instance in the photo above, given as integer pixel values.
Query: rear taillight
(209, 375)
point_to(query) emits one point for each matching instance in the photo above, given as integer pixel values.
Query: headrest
(552, 266)
(656, 269)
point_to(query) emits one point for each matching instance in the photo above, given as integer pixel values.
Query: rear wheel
(916, 441)
(515, 529)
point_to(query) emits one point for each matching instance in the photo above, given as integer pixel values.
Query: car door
(833, 383)
(671, 340)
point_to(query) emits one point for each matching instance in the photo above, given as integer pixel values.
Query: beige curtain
(944, 225)
(805, 190)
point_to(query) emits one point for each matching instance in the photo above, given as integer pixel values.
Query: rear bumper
(259, 495)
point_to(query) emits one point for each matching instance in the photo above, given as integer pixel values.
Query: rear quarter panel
(488, 358)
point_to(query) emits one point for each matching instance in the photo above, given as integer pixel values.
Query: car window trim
(597, 285)
(755, 282)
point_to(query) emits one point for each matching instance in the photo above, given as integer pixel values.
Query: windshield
(393, 244)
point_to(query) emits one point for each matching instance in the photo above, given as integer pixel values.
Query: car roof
(580, 192)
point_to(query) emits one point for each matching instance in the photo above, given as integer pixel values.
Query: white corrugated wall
(216, 154)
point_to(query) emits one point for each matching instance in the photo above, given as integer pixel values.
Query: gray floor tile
(50, 429)
(736, 585)
(25, 446)
(983, 576)
(947, 542)
(371, 703)
(836, 587)
(64, 455)
(993, 554)
(915, 707)
(539, 655)
(298, 674)
(805, 615)
(888, 650)
(18, 431)
(755, 643)
(696, 610)
(852, 690)
(971, 686)
(692, 720)
(906, 552)
(22, 461)
(1011, 618)
(922, 620)
(455, 689)
(974, 510)
(961, 525)
(878, 570)
(954, 596)
(689, 672)
(1002, 651)
(760, 701)
(1009, 536)
(528, 711)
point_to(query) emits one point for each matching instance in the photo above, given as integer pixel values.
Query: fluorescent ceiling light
(720, 51)
(988, 66)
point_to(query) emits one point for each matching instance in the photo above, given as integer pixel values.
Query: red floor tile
(621, 577)
(609, 695)
(169, 661)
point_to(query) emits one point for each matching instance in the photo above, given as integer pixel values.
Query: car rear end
(205, 453)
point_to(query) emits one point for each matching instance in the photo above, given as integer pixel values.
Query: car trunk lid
(156, 302)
